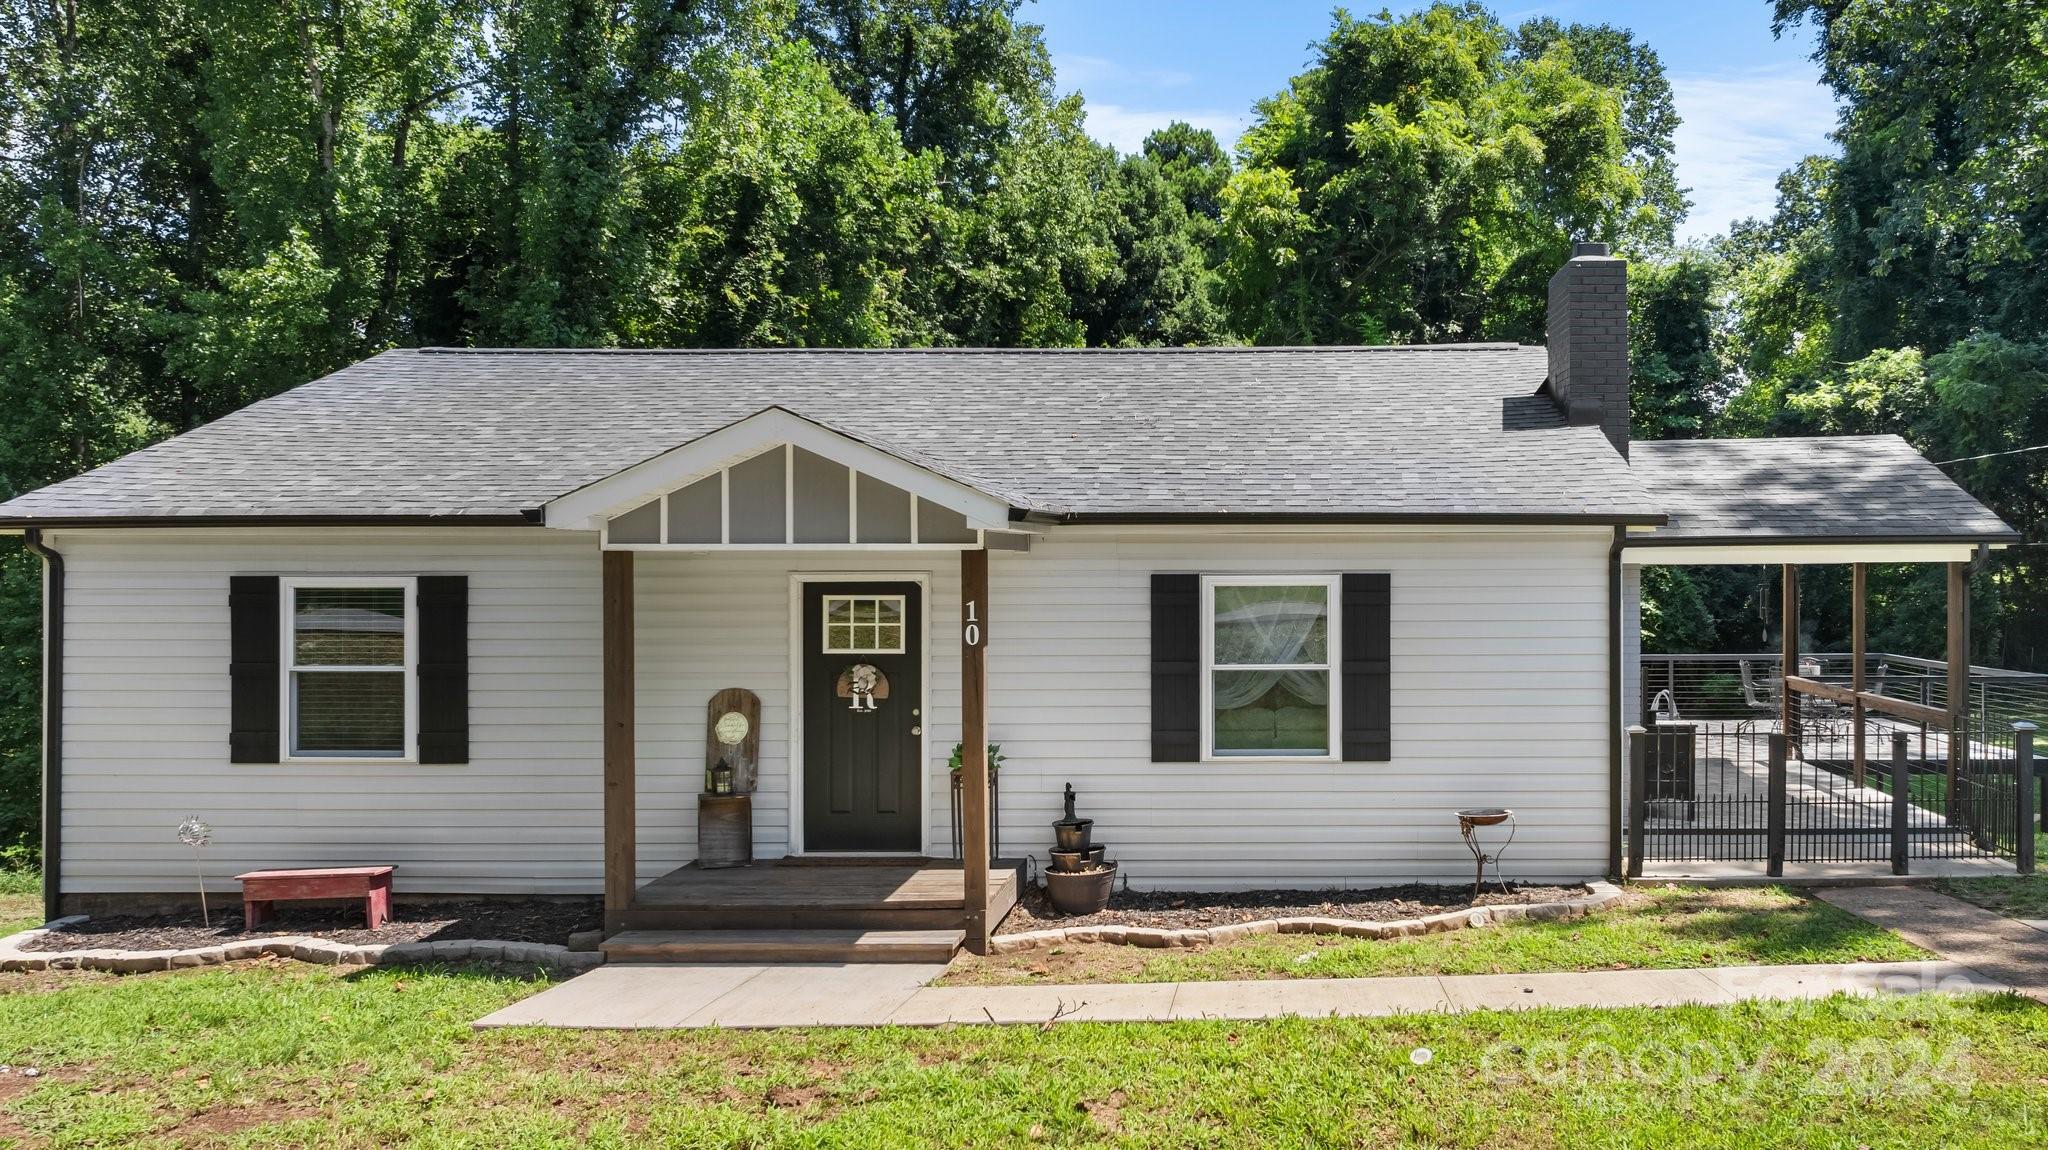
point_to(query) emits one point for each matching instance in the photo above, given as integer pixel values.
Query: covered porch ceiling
(777, 480)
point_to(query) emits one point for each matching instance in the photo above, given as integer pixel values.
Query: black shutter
(1176, 668)
(253, 622)
(444, 668)
(1367, 681)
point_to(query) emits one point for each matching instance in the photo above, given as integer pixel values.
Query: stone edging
(1598, 894)
(315, 950)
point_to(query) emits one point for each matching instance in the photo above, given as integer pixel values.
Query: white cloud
(1125, 129)
(1739, 131)
(1083, 72)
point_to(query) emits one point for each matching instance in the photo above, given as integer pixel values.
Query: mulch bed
(496, 920)
(1182, 910)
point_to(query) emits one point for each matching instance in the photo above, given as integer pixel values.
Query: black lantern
(721, 778)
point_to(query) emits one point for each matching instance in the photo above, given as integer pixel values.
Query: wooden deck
(800, 894)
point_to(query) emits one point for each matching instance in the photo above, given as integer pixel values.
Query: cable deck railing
(1722, 769)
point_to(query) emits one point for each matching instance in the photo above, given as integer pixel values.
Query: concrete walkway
(2003, 949)
(623, 996)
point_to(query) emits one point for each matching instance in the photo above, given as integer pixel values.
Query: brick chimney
(1588, 334)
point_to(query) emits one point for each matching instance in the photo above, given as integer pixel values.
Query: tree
(1421, 182)
(1613, 58)
(951, 75)
(1159, 287)
(1938, 213)
(1193, 164)
(785, 217)
(1680, 378)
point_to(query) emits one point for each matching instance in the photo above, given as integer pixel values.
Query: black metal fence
(1714, 777)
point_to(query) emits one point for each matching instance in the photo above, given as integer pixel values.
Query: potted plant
(995, 807)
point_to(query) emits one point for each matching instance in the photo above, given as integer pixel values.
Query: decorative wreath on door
(863, 683)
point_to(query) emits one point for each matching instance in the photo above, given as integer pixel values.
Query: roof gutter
(522, 519)
(1759, 540)
(1192, 518)
(53, 722)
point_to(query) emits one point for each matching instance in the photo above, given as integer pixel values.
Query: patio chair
(1761, 694)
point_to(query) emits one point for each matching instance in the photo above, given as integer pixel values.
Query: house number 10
(971, 635)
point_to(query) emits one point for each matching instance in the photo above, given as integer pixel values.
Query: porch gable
(777, 479)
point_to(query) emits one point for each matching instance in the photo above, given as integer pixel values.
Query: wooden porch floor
(793, 894)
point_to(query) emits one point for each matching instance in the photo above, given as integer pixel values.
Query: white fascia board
(587, 508)
(1813, 554)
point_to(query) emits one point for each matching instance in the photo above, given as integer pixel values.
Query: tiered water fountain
(1078, 880)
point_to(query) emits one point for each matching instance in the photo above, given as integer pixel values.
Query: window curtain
(1270, 625)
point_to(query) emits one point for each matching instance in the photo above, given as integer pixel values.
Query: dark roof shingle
(1850, 487)
(1418, 432)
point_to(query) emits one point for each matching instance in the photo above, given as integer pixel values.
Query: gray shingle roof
(1851, 487)
(1424, 432)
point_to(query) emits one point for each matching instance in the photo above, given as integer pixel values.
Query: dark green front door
(863, 715)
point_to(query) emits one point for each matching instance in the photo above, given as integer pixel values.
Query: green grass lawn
(21, 901)
(1659, 927)
(2013, 897)
(277, 1055)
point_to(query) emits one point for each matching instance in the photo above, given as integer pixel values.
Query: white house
(1274, 612)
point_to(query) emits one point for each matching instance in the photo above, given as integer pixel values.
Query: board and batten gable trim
(443, 603)
(1176, 668)
(1367, 667)
(770, 429)
(255, 711)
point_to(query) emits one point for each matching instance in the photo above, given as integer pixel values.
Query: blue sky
(1752, 105)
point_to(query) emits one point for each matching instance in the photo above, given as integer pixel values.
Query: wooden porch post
(1788, 703)
(1958, 676)
(974, 742)
(1858, 586)
(620, 789)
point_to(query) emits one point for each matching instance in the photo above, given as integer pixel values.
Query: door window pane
(871, 624)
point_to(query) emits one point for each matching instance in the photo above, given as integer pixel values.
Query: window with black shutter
(1249, 667)
(354, 667)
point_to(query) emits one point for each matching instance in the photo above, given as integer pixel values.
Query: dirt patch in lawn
(497, 920)
(1182, 910)
(232, 1120)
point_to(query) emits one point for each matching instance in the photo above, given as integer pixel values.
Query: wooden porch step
(814, 896)
(783, 945)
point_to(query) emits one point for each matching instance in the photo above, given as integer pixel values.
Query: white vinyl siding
(146, 718)
(1498, 698)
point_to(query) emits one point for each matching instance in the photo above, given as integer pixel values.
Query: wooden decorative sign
(732, 731)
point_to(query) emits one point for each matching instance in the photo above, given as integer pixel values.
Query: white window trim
(902, 610)
(1333, 585)
(288, 589)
